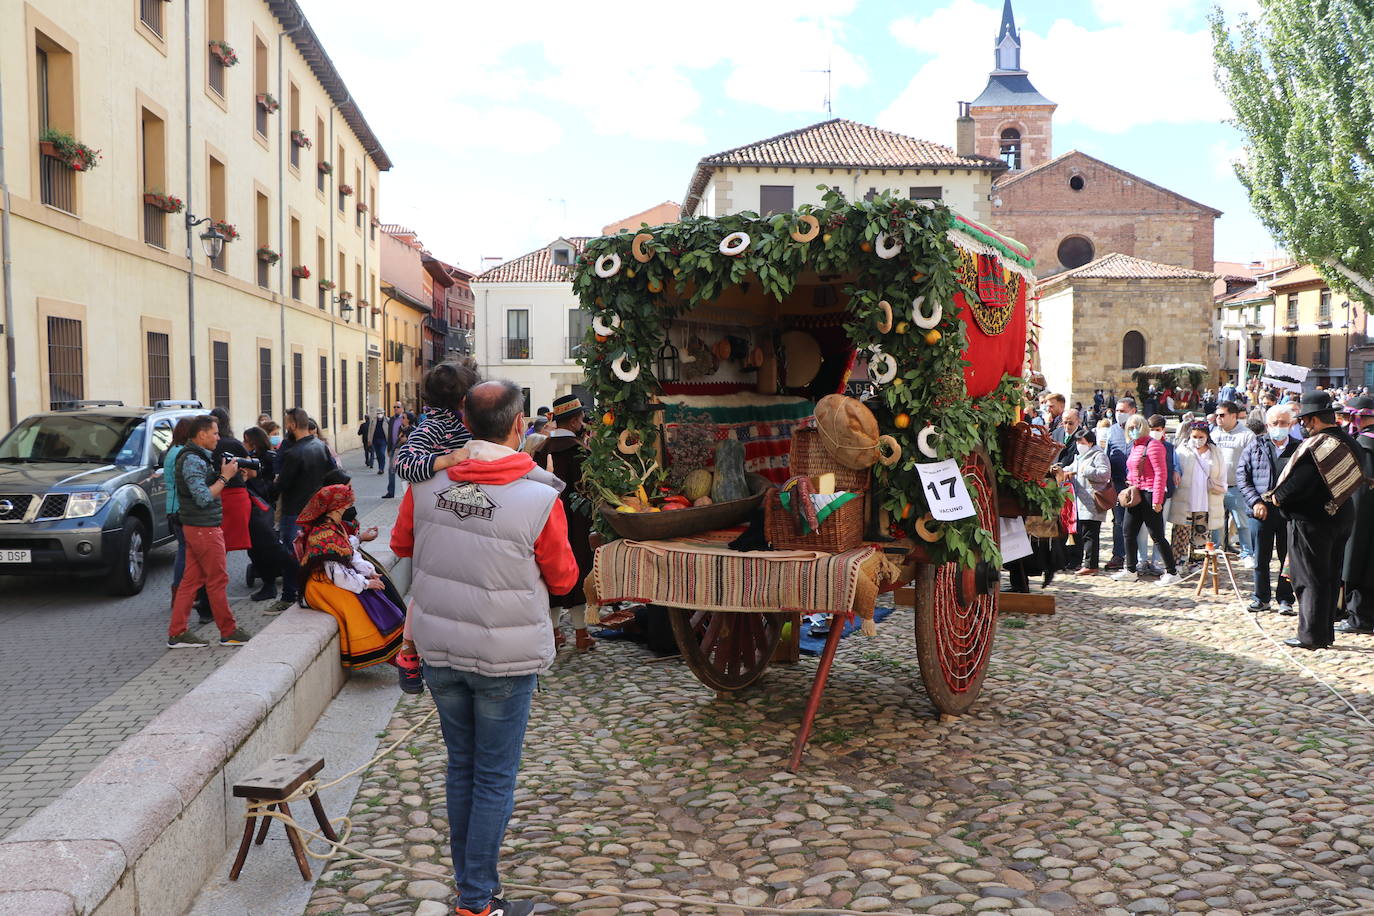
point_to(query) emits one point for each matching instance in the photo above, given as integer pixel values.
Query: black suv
(82, 490)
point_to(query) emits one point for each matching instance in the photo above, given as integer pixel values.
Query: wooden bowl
(680, 523)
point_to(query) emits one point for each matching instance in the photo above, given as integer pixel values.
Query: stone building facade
(1111, 316)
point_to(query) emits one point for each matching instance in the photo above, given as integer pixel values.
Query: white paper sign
(946, 492)
(1284, 375)
(1014, 541)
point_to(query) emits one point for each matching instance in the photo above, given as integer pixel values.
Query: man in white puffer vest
(490, 542)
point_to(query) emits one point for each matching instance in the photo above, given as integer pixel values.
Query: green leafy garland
(687, 269)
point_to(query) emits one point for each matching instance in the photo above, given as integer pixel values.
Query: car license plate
(15, 556)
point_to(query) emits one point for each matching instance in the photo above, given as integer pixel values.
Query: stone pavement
(1137, 753)
(82, 671)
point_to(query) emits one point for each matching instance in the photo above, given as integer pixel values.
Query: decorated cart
(797, 412)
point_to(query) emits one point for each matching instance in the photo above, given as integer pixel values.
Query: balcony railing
(295, 156)
(264, 273)
(217, 75)
(260, 120)
(150, 11)
(58, 183)
(572, 346)
(155, 222)
(296, 288)
(516, 347)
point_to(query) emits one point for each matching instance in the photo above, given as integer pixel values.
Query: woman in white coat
(1088, 473)
(1201, 494)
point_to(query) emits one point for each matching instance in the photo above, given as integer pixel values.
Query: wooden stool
(273, 781)
(1211, 568)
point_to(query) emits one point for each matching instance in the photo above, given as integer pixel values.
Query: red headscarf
(324, 537)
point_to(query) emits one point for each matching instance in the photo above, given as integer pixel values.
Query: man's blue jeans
(290, 570)
(1236, 508)
(1118, 532)
(483, 720)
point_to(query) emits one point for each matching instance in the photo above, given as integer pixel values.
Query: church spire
(1008, 52)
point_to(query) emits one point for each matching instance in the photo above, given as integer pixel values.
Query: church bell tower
(1012, 120)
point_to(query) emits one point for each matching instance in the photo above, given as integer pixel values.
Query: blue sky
(513, 123)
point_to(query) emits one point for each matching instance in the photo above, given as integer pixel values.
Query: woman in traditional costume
(337, 580)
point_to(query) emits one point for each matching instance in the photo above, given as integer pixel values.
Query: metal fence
(155, 222)
(217, 75)
(150, 11)
(57, 183)
(516, 347)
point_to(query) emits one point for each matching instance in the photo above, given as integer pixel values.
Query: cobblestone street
(1136, 753)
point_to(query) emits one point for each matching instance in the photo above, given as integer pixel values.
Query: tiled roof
(535, 267)
(837, 143)
(1010, 90)
(1125, 267)
(1013, 177)
(1305, 275)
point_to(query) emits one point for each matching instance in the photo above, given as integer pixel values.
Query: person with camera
(199, 484)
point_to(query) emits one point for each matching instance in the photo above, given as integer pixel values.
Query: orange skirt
(361, 644)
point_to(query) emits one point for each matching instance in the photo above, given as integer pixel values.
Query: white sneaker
(1168, 579)
(1247, 562)
(1124, 575)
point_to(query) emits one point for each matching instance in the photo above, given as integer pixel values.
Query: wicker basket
(842, 530)
(681, 523)
(1029, 451)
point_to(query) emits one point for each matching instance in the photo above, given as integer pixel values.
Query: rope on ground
(344, 825)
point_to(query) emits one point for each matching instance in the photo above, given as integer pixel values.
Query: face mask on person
(1083, 448)
(350, 514)
(275, 440)
(1157, 435)
(1199, 442)
(1278, 433)
(1121, 416)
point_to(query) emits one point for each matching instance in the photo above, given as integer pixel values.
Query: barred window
(324, 393)
(66, 370)
(297, 380)
(159, 366)
(220, 360)
(265, 380)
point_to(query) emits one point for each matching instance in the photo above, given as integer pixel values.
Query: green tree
(1301, 81)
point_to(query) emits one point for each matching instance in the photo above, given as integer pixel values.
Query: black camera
(249, 464)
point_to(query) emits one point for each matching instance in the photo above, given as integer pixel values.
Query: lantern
(668, 363)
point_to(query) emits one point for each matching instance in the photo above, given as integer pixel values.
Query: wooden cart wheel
(953, 641)
(726, 651)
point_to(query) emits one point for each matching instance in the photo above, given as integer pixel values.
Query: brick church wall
(1035, 125)
(1118, 214)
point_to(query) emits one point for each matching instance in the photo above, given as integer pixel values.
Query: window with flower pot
(341, 276)
(324, 392)
(220, 53)
(267, 255)
(159, 354)
(297, 265)
(265, 103)
(219, 192)
(66, 363)
(339, 165)
(219, 360)
(372, 210)
(297, 378)
(321, 176)
(343, 390)
(156, 201)
(61, 155)
(150, 15)
(322, 267)
(293, 115)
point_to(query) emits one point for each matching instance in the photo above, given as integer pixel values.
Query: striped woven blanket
(702, 575)
(1337, 464)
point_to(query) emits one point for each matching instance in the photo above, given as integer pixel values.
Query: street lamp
(344, 302)
(211, 240)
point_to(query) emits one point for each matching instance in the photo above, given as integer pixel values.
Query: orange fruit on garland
(906, 511)
(608, 419)
(902, 420)
(932, 337)
(865, 246)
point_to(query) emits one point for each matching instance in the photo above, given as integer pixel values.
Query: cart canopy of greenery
(687, 269)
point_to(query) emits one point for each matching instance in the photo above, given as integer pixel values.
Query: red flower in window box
(268, 102)
(346, 190)
(226, 229)
(326, 168)
(301, 139)
(65, 148)
(362, 206)
(326, 284)
(268, 255)
(223, 52)
(301, 272)
(167, 203)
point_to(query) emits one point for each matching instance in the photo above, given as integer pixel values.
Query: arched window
(1075, 251)
(1133, 350)
(1011, 148)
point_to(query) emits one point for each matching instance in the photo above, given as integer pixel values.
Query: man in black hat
(1359, 550)
(567, 447)
(1313, 493)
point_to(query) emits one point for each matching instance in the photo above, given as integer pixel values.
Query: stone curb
(142, 831)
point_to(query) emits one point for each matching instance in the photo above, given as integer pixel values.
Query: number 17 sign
(945, 490)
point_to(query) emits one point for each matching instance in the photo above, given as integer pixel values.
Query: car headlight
(84, 505)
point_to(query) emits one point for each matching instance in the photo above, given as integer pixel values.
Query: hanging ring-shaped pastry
(607, 266)
(926, 322)
(923, 530)
(637, 248)
(734, 244)
(886, 247)
(888, 371)
(885, 325)
(603, 328)
(889, 451)
(624, 372)
(924, 444)
(630, 442)
(813, 228)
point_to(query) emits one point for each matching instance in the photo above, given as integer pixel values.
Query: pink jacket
(1147, 467)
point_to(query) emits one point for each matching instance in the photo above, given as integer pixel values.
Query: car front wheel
(130, 568)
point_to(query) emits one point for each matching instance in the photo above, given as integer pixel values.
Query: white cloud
(1141, 70)
(1224, 157)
